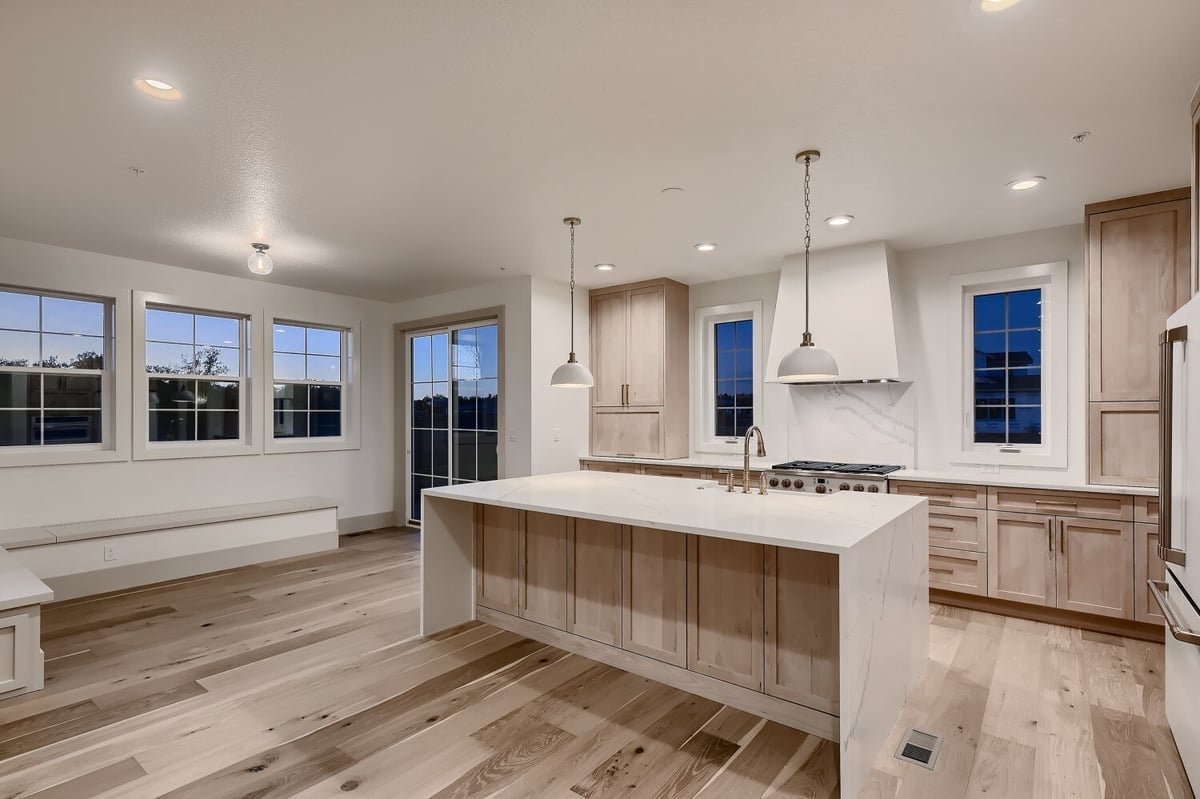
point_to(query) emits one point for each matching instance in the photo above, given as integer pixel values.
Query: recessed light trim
(158, 89)
(705, 246)
(1026, 184)
(839, 220)
(994, 6)
(604, 267)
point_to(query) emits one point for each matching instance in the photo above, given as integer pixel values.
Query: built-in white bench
(21, 597)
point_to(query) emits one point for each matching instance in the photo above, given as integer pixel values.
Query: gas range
(824, 477)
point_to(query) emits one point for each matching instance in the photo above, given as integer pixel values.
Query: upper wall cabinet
(1139, 273)
(639, 358)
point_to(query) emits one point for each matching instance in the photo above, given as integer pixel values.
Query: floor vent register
(920, 748)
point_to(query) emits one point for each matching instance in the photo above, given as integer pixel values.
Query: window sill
(290, 445)
(1044, 459)
(200, 449)
(718, 447)
(35, 456)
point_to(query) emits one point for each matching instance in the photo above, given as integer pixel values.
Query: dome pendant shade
(572, 374)
(808, 362)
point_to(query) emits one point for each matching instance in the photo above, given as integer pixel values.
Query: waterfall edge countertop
(823, 523)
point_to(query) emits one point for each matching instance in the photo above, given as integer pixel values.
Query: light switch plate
(990, 468)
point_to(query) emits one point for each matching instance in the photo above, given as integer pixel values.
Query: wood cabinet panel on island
(801, 651)
(497, 550)
(594, 581)
(654, 596)
(725, 610)
(543, 560)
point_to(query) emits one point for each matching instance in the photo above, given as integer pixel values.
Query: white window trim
(704, 319)
(114, 425)
(351, 437)
(1052, 278)
(251, 443)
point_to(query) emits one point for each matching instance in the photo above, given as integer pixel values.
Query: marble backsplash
(867, 423)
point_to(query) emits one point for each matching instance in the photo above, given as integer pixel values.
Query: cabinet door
(1095, 566)
(801, 627)
(20, 651)
(544, 569)
(1021, 557)
(725, 610)
(1147, 565)
(497, 566)
(609, 328)
(654, 599)
(594, 581)
(1139, 268)
(958, 570)
(958, 528)
(627, 433)
(1123, 443)
(646, 362)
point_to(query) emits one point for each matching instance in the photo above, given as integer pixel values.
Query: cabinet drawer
(691, 472)
(635, 434)
(952, 494)
(956, 570)
(1061, 503)
(1145, 510)
(958, 528)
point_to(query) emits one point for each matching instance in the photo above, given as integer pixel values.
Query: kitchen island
(805, 609)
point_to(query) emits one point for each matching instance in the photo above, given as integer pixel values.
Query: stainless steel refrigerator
(1179, 528)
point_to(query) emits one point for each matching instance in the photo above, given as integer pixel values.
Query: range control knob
(858, 486)
(787, 483)
(844, 487)
(799, 484)
(821, 489)
(872, 489)
(774, 481)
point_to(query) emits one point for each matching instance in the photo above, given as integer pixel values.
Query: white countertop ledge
(1049, 482)
(823, 523)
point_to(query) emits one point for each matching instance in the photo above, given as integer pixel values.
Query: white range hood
(851, 313)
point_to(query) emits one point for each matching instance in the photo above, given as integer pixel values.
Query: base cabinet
(543, 584)
(801, 648)
(497, 556)
(958, 570)
(725, 610)
(1147, 565)
(1094, 561)
(1021, 558)
(594, 581)
(654, 595)
(20, 651)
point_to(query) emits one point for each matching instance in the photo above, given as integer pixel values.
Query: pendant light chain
(807, 242)
(572, 358)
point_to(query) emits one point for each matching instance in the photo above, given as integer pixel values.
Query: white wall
(360, 480)
(922, 315)
(559, 417)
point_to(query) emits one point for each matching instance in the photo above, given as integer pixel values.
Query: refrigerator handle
(1158, 589)
(1166, 343)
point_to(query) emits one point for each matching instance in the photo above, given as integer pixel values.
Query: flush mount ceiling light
(158, 89)
(808, 361)
(994, 6)
(705, 246)
(839, 220)
(1025, 184)
(572, 374)
(604, 267)
(259, 262)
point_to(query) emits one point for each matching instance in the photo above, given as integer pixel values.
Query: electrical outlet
(990, 468)
(110, 552)
(556, 434)
(512, 439)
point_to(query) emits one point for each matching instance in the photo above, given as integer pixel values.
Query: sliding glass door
(454, 419)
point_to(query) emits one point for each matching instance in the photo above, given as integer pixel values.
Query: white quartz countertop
(1049, 482)
(701, 460)
(823, 523)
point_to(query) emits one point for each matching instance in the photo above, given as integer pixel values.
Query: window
(55, 364)
(195, 367)
(729, 381)
(1008, 355)
(308, 369)
(454, 417)
(1008, 367)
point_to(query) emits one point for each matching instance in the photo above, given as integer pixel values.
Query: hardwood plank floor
(306, 678)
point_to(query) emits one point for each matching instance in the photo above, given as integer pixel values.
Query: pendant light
(808, 361)
(572, 374)
(259, 262)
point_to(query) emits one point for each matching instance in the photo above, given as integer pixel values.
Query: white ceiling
(391, 149)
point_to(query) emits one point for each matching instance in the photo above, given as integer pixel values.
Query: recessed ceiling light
(158, 89)
(993, 6)
(705, 246)
(839, 220)
(1025, 184)
(669, 189)
(604, 267)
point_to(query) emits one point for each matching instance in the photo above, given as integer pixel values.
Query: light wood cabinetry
(950, 494)
(958, 570)
(610, 466)
(543, 557)
(1094, 561)
(653, 469)
(594, 581)
(686, 472)
(957, 528)
(801, 652)
(1139, 272)
(1021, 558)
(1145, 510)
(640, 359)
(1147, 565)
(497, 558)
(725, 610)
(654, 596)
(1061, 503)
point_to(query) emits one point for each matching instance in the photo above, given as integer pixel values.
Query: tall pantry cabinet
(1139, 273)
(639, 359)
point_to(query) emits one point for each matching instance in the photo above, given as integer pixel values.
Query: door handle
(1166, 343)
(1158, 589)
(1049, 535)
(941, 570)
(1062, 535)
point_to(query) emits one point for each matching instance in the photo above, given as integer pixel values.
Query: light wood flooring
(305, 678)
